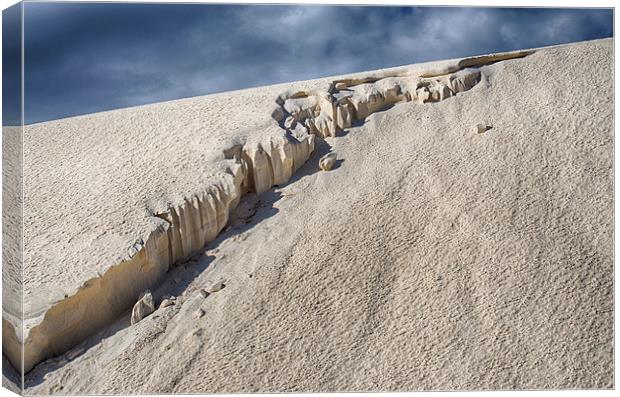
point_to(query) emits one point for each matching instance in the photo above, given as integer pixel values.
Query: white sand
(431, 257)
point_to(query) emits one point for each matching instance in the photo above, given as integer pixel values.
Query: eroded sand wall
(254, 166)
(98, 302)
(180, 232)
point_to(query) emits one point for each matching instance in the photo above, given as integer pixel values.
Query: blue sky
(83, 58)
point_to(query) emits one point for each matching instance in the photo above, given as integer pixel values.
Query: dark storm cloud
(83, 58)
(11, 66)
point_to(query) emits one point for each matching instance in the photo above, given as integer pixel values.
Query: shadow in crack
(338, 164)
(321, 148)
(10, 378)
(251, 211)
(38, 374)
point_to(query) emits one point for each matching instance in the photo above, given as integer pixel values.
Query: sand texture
(461, 239)
(12, 259)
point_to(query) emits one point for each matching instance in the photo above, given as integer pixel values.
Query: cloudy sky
(83, 58)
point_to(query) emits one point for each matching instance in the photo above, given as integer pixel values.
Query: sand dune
(434, 255)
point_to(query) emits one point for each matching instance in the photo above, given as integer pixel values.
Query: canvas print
(226, 198)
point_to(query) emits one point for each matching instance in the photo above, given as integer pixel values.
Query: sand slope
(144, 188)
(432, 257)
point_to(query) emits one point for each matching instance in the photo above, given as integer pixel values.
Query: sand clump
(143, 307)
(481, 128)
(216, 287)
(327, 162)
(166, 303)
